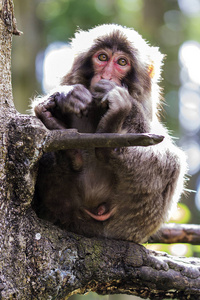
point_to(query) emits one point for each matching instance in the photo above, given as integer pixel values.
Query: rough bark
(40, 261)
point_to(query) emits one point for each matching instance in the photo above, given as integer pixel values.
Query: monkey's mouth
(101, 213)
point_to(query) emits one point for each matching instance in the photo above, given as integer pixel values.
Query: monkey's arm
(151, 177)
(151, 168)
(55, 109)
(150, 180)
(157, 171)
(124, 114)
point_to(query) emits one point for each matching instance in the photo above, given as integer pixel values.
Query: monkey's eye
(122, 62)
(103, 57)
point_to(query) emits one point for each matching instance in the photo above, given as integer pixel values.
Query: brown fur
(138, 186)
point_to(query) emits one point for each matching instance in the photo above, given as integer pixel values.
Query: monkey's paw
(100, 91)
(118, 99)
(44, 111)
(72, 99)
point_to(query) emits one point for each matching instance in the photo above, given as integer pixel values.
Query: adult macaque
(112, 87)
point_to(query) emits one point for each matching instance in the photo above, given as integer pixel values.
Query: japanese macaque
(124, 193)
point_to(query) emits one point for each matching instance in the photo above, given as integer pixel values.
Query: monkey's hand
(100, 91)
(64, 100)
(73, 99)
(119, 104)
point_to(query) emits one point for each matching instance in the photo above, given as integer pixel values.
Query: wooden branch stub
(177, 233)
(72, 139)
(8, 17)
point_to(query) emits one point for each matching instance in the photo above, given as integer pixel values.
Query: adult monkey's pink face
(110, 65)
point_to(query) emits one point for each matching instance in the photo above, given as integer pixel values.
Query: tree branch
(57, 264)
(177, 233)
(110, 267)
(71, 138)
(8, 17)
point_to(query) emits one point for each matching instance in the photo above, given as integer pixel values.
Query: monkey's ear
(151, 71)
(155, 63)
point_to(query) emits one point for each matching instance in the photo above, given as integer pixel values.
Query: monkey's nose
(108, 72)
(107, 77)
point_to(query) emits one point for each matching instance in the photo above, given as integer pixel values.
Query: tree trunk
(39, 260)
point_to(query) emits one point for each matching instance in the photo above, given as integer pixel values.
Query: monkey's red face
(110, 65)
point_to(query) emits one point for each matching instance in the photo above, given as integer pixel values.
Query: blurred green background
(173, 25)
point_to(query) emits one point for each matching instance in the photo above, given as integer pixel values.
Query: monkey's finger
(103, 85)
(82, 94)
(105, 102)
(79, 108)
(101, 89)
(50, 104)
(49, 121)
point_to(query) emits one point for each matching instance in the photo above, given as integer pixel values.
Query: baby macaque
(112, 87)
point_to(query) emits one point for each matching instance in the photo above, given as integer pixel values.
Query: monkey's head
(118, 54)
